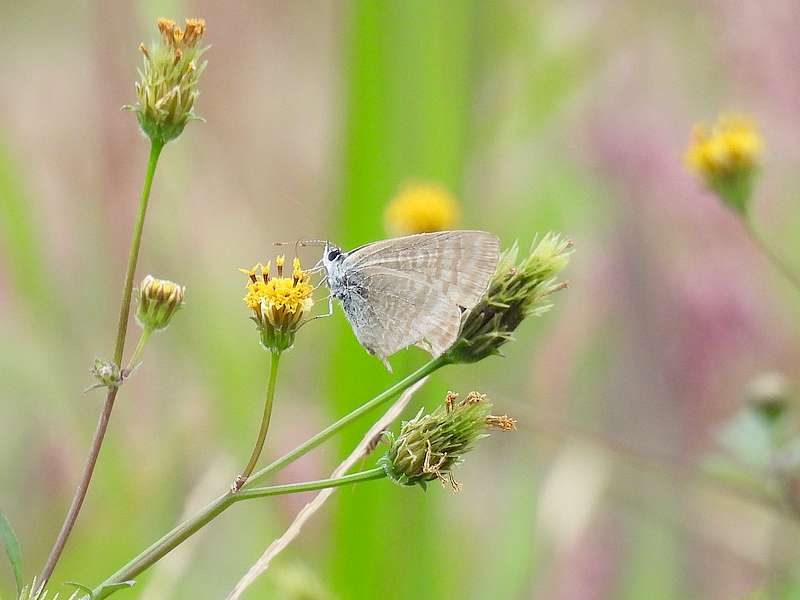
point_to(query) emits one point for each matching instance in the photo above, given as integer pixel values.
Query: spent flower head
(516, 291)
(727, 157)
(168, 81)
(106, 374)
(429, 446)
(420, 208)
(278, 303)
(158, 301)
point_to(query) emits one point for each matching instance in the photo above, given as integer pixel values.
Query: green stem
(193, 524)
(175, 537)
(325, 434)
(777, 262)
(105, 415)
(265, 418)
(137, 353)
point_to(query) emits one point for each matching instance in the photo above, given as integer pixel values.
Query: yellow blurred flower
(732, 144)
(421, 207)
(278, 303)
(727, 156)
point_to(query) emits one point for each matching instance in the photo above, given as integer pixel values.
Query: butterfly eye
(333, 254)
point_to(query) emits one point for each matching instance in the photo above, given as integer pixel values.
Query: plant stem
(105, 415)
(777, 262)
(137, 353)
(193, 524)
(174, 538)
(265, 418)
(392, 392)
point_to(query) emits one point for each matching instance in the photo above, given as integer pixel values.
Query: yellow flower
(278, 303)
(732, 144)
(727, 156)
(421, 207)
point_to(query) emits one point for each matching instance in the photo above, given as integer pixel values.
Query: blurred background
(536, 116)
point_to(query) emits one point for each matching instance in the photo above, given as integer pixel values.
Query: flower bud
(429, 446)
(159, 300)
(167, 88)
(515, 292)
(278, 303)
(420, 208)
(727, 157)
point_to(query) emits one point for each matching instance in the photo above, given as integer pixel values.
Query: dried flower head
(106, 374)
(167, 86)
(727, 157)
(159, 300)
(515, 292)
(278, 303)
(429, 446)
(421, 207)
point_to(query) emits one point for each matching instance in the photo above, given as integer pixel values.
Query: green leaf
(12, 549)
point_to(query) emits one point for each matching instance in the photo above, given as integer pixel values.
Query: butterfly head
(331, 256)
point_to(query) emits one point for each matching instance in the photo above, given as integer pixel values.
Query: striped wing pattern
(412, 289)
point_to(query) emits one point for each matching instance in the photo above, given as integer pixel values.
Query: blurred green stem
(770, 254)
(186, 529)
(193, 524)
(265, 418)
(105, 415)
(137, 353)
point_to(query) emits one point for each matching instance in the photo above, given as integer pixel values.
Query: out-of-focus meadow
(537, 116)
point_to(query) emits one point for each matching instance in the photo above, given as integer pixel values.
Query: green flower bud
(515, 292)
(159, 300)
(769, 395)
(167, 88)
(429, 446)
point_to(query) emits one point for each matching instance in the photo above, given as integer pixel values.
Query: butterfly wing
(391, 310)
(458, 264)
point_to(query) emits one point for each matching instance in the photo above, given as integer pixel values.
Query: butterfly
(410, 290)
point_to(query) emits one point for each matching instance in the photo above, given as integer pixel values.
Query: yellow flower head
(732, 144)
(278, 303)
(421, 207)
(727, 156)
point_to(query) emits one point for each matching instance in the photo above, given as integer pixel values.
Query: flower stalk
(265, 419)
(174, 538)
(119, 348)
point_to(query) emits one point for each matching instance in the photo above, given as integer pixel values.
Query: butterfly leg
(322, 316)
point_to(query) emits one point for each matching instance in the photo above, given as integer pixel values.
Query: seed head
(429, 446)
(516, 292)
(168, 81)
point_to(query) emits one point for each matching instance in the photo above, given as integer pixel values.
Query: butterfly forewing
(457, 263)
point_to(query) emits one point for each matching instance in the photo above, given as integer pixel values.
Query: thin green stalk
(193, 524)
(105, 415)
(780, 265)
(175, 537)
(137, 353)
(329, 431)
(265, 418)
